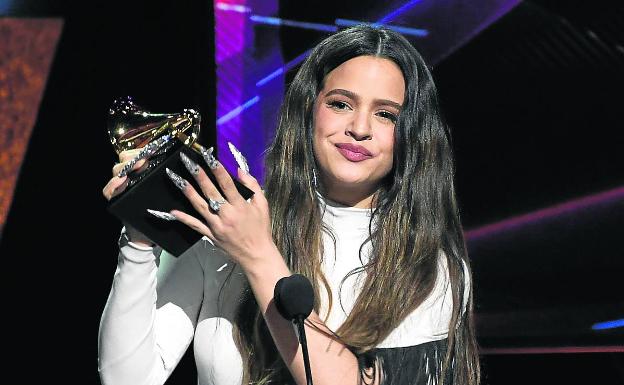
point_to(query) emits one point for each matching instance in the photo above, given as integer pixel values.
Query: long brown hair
(416, 200)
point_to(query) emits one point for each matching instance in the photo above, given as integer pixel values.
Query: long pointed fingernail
(210, 159)
(180, 182)
(240, 159)
(145, 152)
(129, 166)
(162, 215)
(205, 238)
(191, 166)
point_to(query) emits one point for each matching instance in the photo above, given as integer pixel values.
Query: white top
(154, 312)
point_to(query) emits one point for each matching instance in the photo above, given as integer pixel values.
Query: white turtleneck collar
(343, 218)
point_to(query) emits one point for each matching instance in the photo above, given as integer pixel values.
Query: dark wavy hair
(416, 200)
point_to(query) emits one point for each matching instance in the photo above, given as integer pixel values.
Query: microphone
(294, 299)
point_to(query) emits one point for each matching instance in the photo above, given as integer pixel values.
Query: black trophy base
(154, 190)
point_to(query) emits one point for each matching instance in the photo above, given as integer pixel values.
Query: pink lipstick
(353, 152)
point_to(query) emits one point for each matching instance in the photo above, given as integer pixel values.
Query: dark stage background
(531, 89)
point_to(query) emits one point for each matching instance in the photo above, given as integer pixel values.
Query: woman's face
(354, 118)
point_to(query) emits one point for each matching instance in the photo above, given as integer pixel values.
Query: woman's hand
(117, 184)
(241, 228)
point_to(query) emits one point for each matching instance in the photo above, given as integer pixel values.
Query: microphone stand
(294, 299)
(299, 321)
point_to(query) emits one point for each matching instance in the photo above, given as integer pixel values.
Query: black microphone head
(294, 297)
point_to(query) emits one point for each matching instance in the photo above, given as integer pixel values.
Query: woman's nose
(360, 127)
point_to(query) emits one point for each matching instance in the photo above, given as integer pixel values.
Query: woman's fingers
(114, 186)
(197, 201)
(127, 155)
(118, 184)
(138, 166)
(249, 181)
(208, 188)
(193, 223)
(137, 163)
(135, 160)
(223, 178)
(145, 152)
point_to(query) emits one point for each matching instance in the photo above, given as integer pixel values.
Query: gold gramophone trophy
(161, 137)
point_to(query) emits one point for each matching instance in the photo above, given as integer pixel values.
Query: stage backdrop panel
(27, 47)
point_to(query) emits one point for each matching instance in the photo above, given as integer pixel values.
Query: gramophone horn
(131, 127)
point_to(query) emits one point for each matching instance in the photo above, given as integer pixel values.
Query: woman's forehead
(369, 77)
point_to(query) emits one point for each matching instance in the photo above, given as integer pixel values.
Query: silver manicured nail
(124, 171)
(205, 238)
(191, 166)
(145, 152)
(162, 215)
(129, 166)
(240, 159)
(211, 161)
(180, 182)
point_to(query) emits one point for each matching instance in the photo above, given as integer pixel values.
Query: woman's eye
(388, 116)
(338, 105)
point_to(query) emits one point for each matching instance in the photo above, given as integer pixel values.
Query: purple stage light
(232, 7)
(554, 350)
(243, 118)
(235, 112)
(546, 213)
(230, 39)
(283, 69)
(270, 77)
(397, 12)
(293, 23)
(402, 30)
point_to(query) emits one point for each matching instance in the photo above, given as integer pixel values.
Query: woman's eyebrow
(356, 97)
(340, 91)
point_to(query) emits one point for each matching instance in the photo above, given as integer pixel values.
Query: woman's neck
(352, 197)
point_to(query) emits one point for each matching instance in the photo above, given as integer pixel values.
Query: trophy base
(152, 189)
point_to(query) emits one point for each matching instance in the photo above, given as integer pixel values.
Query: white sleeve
(143, 335)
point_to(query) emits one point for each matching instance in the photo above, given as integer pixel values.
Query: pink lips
(353, 152)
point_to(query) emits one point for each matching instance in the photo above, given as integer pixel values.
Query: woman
(359, 198)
